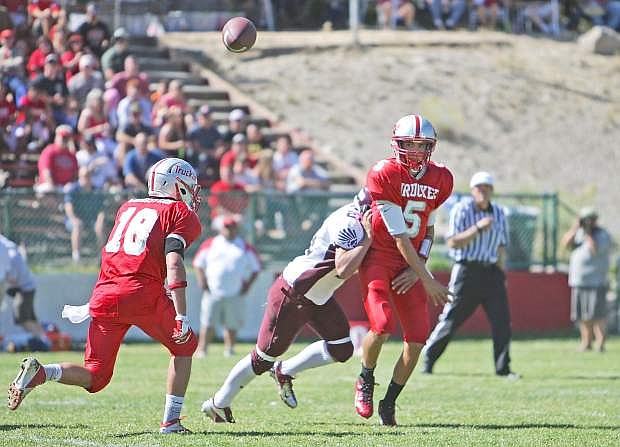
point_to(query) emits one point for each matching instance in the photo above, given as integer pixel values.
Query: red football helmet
(413, 129)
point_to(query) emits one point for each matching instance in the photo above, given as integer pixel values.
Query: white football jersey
(313, 274)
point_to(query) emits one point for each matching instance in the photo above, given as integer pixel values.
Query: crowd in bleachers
(76, 100)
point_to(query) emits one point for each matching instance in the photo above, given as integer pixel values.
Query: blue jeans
(457, 8)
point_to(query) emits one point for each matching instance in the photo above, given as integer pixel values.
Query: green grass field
(563, 399)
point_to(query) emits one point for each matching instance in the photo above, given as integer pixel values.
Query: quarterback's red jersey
(133, 265)
(390, 181)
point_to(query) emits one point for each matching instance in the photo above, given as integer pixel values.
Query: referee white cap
(481, 178)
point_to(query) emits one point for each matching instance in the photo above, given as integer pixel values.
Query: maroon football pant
(286, 314)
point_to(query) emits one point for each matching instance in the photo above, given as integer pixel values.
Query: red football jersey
(133, 264)
(390, 181)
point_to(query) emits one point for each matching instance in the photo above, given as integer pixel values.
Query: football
(239, 34)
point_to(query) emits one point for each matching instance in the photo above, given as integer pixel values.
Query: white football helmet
(417, 129)
(173, 178)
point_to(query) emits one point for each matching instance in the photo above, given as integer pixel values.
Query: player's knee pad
(340, 352)
(261, 365)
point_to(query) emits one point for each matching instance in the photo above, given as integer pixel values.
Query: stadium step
(148, 41)
(218, 106)
(205, 92)
(160, 63)
(148, 51)
(169, 75)
(222, 118)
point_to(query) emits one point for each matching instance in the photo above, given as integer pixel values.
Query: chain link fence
(278, 224)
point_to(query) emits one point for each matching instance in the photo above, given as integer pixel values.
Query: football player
(146, 247)
(406, 189)
(303, 295)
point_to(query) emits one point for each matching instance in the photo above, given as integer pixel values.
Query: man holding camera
(591, 246)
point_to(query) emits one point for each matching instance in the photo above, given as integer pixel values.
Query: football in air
(239, 34)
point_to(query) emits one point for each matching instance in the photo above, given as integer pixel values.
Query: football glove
(183, 331)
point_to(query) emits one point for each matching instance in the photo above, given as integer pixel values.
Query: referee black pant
(474, 284)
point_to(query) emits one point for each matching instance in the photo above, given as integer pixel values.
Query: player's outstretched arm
(436, 291)
(348, 261)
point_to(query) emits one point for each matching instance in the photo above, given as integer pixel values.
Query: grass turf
(565, 398)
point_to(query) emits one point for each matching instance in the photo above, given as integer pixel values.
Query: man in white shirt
(225, 266)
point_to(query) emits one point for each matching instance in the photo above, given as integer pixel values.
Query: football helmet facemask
(173, 178)
(413, 129)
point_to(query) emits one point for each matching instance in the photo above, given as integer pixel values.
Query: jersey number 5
(412, 216)
(138, 230)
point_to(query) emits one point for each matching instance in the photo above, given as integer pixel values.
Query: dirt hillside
(540, 115)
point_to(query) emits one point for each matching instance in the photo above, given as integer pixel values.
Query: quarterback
(406, 190)
(303, 295)
(146, 247)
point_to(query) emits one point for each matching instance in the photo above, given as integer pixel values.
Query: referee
(477, 237)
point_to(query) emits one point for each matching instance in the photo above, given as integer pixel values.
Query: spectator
(207, 147)
(541, 13)
(11, 64)
(174, 97)
(110, 103)
(17, 12)
(42, 14)
(454, 9)
(21, 286)
(95, 33)
(55, 87)
(244, 174)
(127, 133)
(236, 124)
(487, 12)
(226, 267)
(132, 71)
(171, 138)
(306, 176)
(256, 140)
(160, 90)
(86, 80)
(101, 169)
(133, 96)
(239, 147)
(93, 123)
(404, 14)
(137, 162)
(591, 247)
(7, 118)
(37, 57)
(602, 12)
(70, 58)
(57, 164)
(113, 60)
(34, 119)
(227, 196)
(58, 35)
(83, 209)
(283, 160)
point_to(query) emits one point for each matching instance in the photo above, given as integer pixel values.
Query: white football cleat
(31, 375)
(217, 414)
(173, 426)
(285, 385)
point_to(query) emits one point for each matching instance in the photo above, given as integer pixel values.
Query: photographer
(591, 246)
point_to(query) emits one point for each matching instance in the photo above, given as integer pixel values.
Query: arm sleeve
(446, 188)
(185, 225)
(381, 182)
(346, 234)
(393, 218)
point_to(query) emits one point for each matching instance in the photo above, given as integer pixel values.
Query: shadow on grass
(528, 377)
(10, 427)
(523, 426)
(331, 434)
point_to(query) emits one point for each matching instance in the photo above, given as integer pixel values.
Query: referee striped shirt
(484, 247)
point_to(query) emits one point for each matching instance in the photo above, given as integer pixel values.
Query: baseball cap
(6, 33)
(120, 33)
(204, 110)
(64, 131)
(239, 138)
(51, 59)
(87, 60)
(92, 8)
(588, 213)
(236, 115)
(481, 178)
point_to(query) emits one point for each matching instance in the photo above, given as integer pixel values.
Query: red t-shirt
(65, 58)
(33, 107)
(42, 5)
(61, 162)
(36, 61)
(234, 204)
(133, 262)
(390, 181)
